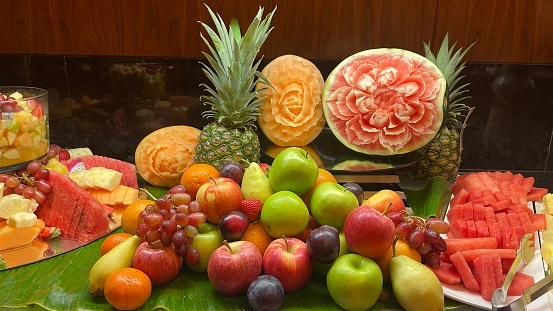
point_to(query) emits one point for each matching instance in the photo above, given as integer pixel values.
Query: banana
(118, 257)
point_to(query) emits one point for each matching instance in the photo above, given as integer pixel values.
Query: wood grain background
(518, 31)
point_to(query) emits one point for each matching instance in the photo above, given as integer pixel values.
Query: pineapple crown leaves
(450, 63)
(233, 71)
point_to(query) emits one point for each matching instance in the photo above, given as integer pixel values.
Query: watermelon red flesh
(127, 169)
(384, 101)
(73, 210)
(464, 271)
(446, 273)
(463, 244)
(520, 282)
(488, 273)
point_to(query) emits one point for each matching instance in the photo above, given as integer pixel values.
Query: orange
(402, 248)
(129, 219)
(256, 234)
(196, 175)
(323, 176)
(127, 288)
(112, 241)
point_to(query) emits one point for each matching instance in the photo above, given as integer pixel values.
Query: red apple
(161, 264)
(218, 196)
(383, 198)
(288, 260)
(233, 266)
(368, 232)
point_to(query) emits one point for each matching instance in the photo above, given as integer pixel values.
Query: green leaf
(432, 200)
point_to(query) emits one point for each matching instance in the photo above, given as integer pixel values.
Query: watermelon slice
(384, 101)
(464, 271)
(488, 273)
(446, 273)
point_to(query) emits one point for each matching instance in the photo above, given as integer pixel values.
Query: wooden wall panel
(506, 30)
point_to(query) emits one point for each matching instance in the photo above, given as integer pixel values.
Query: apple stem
(214, 181)
(285, 241)
(225, 242)
(387, 208)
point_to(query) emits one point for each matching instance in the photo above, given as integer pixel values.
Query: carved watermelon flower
(385, 101)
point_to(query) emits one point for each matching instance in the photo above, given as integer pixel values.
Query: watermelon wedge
(384, 101)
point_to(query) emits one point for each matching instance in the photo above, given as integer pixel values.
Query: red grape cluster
(30, 182)
(421, 234)
(173, 220)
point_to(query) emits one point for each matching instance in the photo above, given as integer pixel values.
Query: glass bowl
(24, 125)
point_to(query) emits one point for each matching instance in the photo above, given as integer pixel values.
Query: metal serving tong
(525, 255)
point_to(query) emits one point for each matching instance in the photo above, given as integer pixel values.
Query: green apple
(321, 269)
(354, 282)
(293, 169)
(284, 213)
(206, 241)
(331, 203)
(255, 183)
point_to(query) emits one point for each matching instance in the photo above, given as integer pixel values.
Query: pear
(415, 286)
(118, 257)
(255, 183)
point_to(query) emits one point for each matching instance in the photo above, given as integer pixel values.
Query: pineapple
(442, 155)
(234, 103)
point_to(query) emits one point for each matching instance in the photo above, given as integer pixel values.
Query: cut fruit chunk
(11, 237)
(14, 203)
(97, 178)
(22, 220)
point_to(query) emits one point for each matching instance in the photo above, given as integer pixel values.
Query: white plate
(534, 268)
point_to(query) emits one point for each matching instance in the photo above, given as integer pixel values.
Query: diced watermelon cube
(508, 237)
(520, 282)
(468, 211)
(495, 232)
(464, 271)
(486, 199)
(512, 218)
(539, 221)
(490, 217)
(489, 184)
(488, 273)
(461, 244)
(499, 196)
(478, 211)
(496, 176)
(475, 194)
(527, 227)
(507, 176)
(457, 229)
(528, 183)
(446, 273)
(482, 229)
(536, 194)
(457, 211)
(523, 217)
(502, 219)
(472, 232)
(460, 197)
(501, 205)
(517, 179)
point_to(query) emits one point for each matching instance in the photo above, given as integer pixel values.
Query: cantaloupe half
(385, 101)
(291, 113)
(162, 156)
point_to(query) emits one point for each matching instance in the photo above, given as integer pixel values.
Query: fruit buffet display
(200, 222)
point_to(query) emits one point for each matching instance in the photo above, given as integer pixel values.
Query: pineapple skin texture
(440, 157)
(218, 144)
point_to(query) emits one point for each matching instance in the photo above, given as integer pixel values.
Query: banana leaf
(431, 200)
(61, 283)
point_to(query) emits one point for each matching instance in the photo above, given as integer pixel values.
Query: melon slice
(385, 101)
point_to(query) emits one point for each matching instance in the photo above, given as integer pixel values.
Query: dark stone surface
(510, 129)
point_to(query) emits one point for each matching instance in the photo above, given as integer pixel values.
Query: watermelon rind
(384, 101)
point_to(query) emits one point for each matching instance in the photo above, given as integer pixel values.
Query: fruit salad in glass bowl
(24, 126)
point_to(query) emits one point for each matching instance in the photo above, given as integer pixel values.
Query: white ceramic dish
(535, 268)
